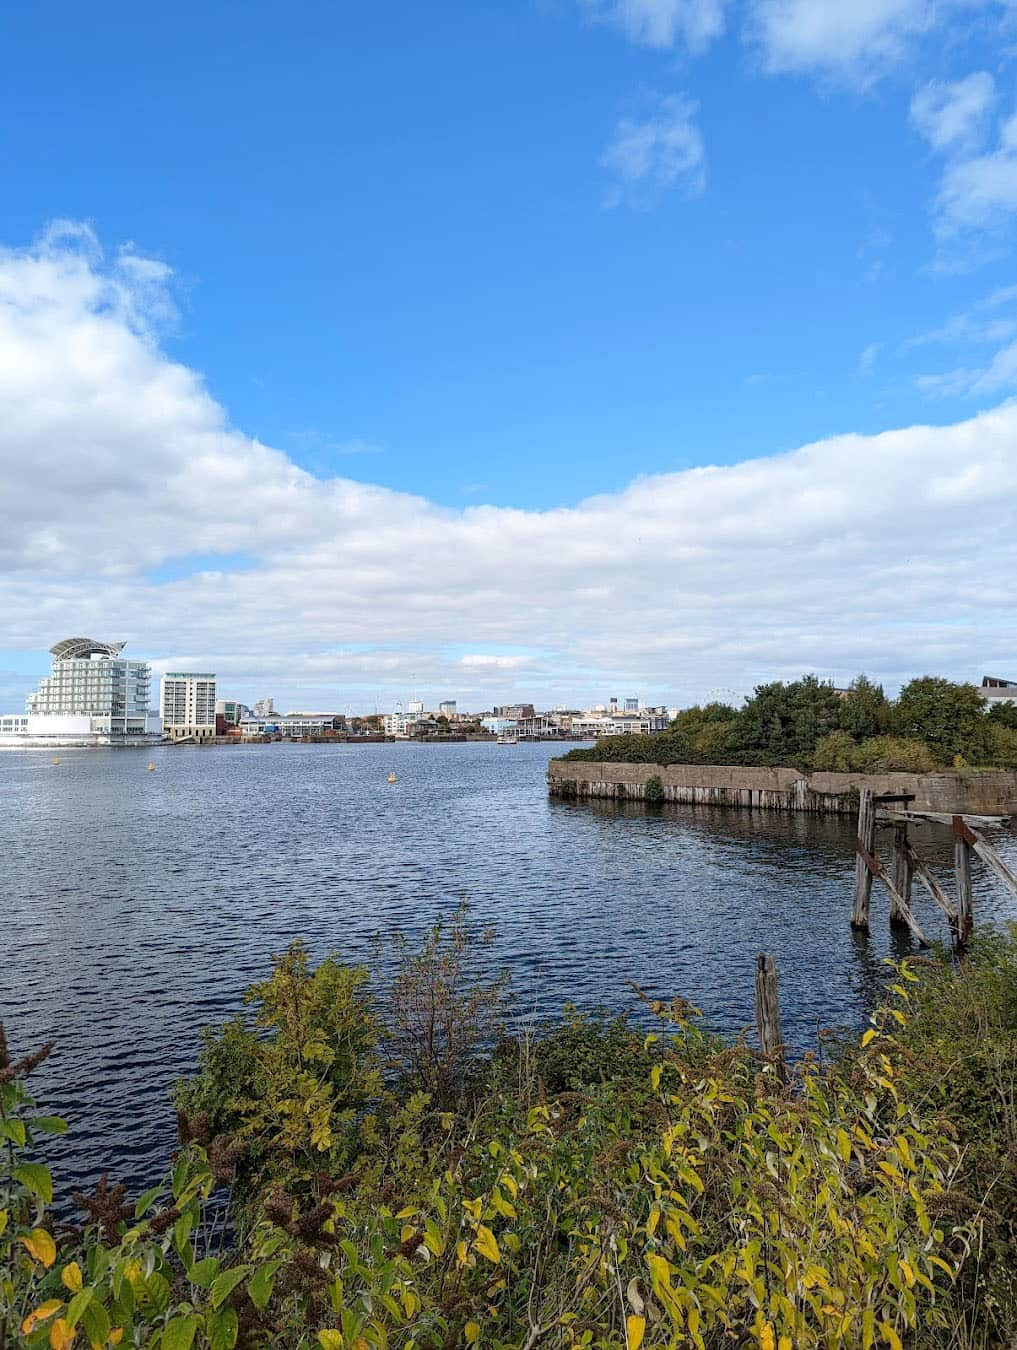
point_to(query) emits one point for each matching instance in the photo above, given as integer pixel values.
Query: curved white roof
(80, 648)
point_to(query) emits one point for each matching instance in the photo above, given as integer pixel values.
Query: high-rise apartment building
(188, 706)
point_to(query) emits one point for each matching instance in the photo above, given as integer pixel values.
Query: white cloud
(116, 460)
(663, 23)
(953, 116)
(979, 192)
(660, 153)
(999, 376)
(852, 40)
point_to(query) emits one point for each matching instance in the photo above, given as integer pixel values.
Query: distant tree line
(932, 724)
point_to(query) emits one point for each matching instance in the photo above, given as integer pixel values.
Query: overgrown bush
(603, 1190)
(654, 789)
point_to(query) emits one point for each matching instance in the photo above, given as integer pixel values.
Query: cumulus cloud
(117, 461)
(663, 23)
(662, 152)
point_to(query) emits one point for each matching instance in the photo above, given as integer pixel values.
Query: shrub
(881, 754)
(654, 789)
(835, 752)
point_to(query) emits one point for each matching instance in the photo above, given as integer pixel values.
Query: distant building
(597, 724)
(632, 705)
(92, 696)
(264, 708)
(415, 707)
(997, 690)
(188, 706)
(514, 711)
(232, 712)
(295, 725)
(447, 709)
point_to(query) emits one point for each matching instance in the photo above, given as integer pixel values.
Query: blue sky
(524, 254)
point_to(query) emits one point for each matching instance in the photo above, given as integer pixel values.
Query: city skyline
(657, 344)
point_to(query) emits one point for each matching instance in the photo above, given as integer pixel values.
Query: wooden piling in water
(771, 1038)
(901, 875)
(865, 846)
(963, 837)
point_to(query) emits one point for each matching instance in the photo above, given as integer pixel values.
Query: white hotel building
(93, 696)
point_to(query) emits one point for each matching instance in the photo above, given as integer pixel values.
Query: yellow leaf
(472, 1332)
(635, 1330)
(890, 1336)
(3, 1221)
(71, 1278)
(60, 1336)
(870, 1035)
(766, 1341)
(330, 1340)
(461, 1253)
(116, 1335)
(784, 1343)
(41, 1245)
(487, 1244)
(44, 1311)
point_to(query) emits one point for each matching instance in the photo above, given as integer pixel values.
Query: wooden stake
(962, 870)
(866, 846)
(771, 1040)
(901, 874)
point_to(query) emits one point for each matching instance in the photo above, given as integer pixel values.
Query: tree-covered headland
(807, 724)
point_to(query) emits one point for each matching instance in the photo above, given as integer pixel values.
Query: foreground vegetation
(398, 1178)
(806, 724)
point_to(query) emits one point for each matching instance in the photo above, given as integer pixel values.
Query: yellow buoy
(392, 778)
(56, 759)
(151, 767)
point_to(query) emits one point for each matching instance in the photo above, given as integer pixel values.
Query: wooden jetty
(894, 810)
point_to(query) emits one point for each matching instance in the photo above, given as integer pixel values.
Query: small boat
(392, 778)
(56, 759)
(151, 767)
(508, 738)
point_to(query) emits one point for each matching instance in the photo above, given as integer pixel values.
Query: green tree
(782, 723)
(949, 718)
(865, 710)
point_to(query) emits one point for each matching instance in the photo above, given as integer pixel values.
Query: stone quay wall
(990, 792)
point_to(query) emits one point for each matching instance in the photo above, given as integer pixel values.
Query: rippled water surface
(138, 906)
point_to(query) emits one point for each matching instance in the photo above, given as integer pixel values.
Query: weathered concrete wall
(986, 792)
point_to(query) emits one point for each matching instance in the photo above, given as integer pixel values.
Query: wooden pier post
(771, 1039)
(962, 869)
(865, 846)
(901, 875)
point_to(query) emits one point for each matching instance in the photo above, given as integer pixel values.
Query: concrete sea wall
(983, 792)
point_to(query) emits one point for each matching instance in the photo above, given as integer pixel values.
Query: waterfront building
(93, 696)
(188, 706)
(632, 705)
(295, 725)
(264, 708)
(997, 690)
(415, 707)
(448, 709)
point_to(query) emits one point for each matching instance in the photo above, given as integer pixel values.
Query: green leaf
(222, 1329)
(226, 1283)
(180, 1333)
(202, 1273)
(145, 1200)
(182, 1237)
(14, 1130)
(95, 1320)
(35, 1178)
(48, 1124)
(260, 1284)
(77, 1306)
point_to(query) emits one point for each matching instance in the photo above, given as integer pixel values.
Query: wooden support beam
(876, 869)
(864, 847)
(771, 1039)
(962, 871)
(930, 883)
(894, 817)
(901, 872)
